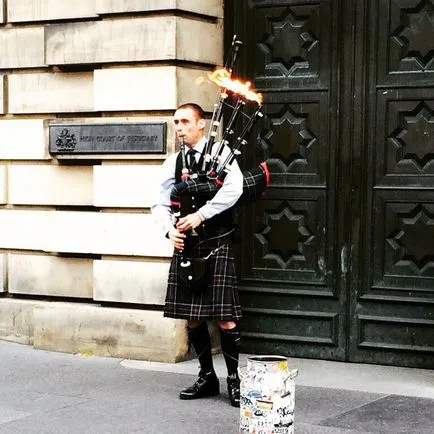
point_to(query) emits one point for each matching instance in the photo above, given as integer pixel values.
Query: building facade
(338, 257)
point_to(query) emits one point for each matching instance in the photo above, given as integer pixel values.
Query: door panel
(338, 257)
(393, 309)
(290, 298)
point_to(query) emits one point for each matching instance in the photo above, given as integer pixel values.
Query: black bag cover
(192, 273)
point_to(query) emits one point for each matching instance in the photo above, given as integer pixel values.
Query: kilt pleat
(217, 300)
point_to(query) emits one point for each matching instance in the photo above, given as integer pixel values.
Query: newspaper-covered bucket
(267, 396)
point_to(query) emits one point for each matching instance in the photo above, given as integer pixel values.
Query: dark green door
(338, 258)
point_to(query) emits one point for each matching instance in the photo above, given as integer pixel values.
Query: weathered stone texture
(23, 139)
(2, 272)
(50, 275)
(125, 185)
(45, 10)
(193, 47)
(93, 330)
(51, 93)
(83, 232)
(151, 88)
(2, 103)
(16, 320)
(3, 183)
(129, 333)
(208, 7)
(136, 39)
(22, 47)
(50, 185)
(131, 282)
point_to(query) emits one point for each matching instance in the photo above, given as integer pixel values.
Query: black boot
(230, 343)
(234, 390)
(207, 384)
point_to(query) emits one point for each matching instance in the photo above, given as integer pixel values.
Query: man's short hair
(195, 107)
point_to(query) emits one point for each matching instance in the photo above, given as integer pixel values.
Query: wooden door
(338, 258)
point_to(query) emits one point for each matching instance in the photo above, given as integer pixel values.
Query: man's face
(188, 126)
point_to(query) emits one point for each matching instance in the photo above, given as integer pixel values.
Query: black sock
(230, 340)
(200, 339)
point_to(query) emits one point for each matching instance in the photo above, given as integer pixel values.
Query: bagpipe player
(203, 231)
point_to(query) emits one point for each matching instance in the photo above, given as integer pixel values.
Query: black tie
(191, 159)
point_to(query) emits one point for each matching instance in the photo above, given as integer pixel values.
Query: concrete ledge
(94, 330)
(16, 320)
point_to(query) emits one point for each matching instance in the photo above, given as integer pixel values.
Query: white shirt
(225, 198)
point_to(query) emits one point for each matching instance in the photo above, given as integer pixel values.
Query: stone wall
(83, 267)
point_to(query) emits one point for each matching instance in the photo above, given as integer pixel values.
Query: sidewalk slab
(44, 392)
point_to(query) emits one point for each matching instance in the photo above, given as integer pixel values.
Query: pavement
(54, 393)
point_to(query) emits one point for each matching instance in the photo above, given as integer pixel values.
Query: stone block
(16, 320)
(50, 275)
(134, 40)
(2, 101)
(2, 272)
(50, 185)
(151, 88)
(94, 330)
(45, 10)
(130, 234)
(3, 184)
(125, 185)
(50, 93)
(23, 139)
(2, 7)
(130, 282)
(212, 8)
(26, 229)
(22, 47)
(199, 41)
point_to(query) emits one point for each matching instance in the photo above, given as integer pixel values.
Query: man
(211, 224)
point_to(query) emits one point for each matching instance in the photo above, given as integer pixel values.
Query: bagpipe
(214, 169)
(211, 175)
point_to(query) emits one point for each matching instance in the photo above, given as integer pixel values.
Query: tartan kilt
(217, 300)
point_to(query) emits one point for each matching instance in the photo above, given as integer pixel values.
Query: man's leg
(230, 342)
(207, 383)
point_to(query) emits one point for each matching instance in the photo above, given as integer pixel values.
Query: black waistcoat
(216, 225)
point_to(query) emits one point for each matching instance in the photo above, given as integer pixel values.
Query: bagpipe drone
(207, 182)
(213, 171)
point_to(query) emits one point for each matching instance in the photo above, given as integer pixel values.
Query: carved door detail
(338, 257)
(392, 319)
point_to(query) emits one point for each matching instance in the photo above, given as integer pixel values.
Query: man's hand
(189, 222)
(177, 238)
